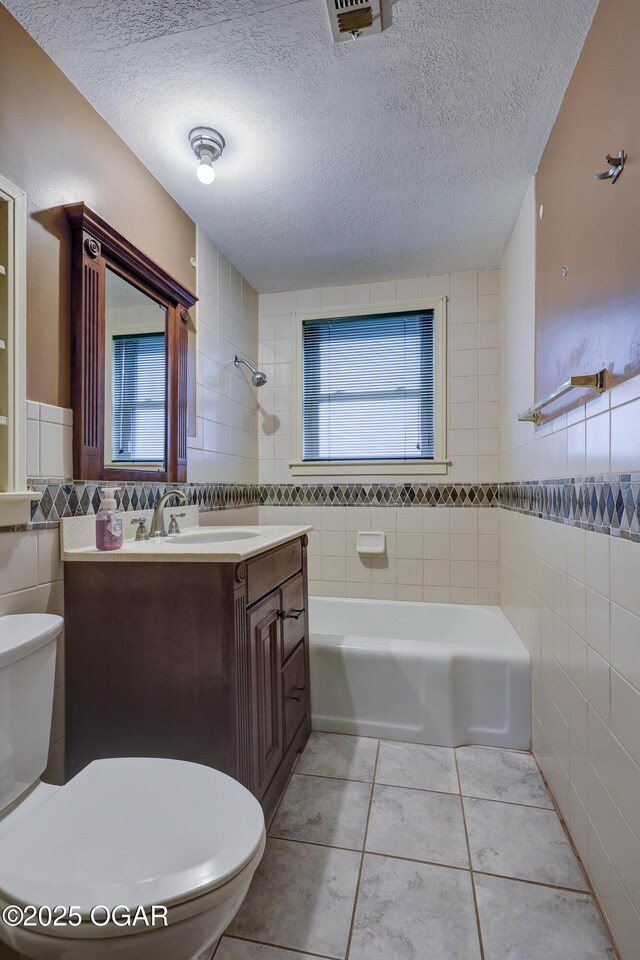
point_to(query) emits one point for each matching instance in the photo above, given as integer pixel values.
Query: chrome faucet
(157, 522)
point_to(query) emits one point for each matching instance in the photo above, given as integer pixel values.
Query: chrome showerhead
(258, 378)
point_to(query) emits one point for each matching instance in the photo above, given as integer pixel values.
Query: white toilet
(124, 832)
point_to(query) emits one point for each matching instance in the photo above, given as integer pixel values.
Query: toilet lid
(23, 633)
(132, 831)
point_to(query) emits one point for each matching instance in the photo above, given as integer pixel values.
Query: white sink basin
(210, 535)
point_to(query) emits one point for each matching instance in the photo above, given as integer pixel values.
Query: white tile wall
(573, 595)
(49, 441)
(226, 445)
(433, 553)
(473, 372)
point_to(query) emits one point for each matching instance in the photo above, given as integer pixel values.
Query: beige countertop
(194, 544)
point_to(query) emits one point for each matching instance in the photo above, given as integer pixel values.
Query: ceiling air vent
(353, 19)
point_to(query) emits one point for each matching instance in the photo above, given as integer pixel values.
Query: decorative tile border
(78, 498)
(604, 504)
(381, 495)
(69, 498)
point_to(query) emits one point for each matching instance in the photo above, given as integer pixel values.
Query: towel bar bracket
(595, 381)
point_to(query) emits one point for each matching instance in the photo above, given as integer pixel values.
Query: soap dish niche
(371, 543)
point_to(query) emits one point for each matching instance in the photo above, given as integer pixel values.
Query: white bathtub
(433, 673)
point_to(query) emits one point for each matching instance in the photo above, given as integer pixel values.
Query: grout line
(591, 889)
(374, 853)
(364, 844)
(533, 883)
(445, 793)
(508, 803)
(277, 946)
(409, 743)
(473, 882)
(325, 776)
(428, 863)
(315, 843)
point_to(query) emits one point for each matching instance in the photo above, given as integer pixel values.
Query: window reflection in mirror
(135, 377)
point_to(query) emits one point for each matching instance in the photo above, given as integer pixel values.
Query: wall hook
(615, 169)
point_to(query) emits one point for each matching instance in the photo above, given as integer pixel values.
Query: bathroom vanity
(193, 648)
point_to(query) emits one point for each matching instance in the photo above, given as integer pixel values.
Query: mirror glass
(135, 377)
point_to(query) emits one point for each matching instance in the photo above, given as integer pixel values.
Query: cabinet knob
(298, 698)
(291, 616)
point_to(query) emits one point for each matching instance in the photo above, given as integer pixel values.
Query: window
(370, 394)
(139, 411)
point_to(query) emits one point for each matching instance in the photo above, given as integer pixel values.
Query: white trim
(195, 441)
(440, 464)
(369, 468)
(15, 501)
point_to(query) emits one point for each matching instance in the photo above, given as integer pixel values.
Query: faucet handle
(141, 533)
(173, 524)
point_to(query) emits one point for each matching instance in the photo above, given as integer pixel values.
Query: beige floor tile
(417, 765)
(501, 775)
(333, 755)
(522, 842)
(527, 922)
(417, 825)
(320, 810)
(301, 897)
(413, 911)
(232, 949)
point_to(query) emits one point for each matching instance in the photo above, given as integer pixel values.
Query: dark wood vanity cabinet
(195, 661)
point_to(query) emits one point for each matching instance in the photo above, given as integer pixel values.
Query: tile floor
(397, 851)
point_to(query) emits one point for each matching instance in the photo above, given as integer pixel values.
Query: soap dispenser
(108, 522)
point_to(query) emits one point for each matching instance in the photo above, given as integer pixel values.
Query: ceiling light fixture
(207, 144)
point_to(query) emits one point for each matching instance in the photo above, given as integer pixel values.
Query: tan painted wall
(591, 319)
(54, 145)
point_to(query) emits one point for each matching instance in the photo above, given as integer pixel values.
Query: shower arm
(237, 360)
(258, 378)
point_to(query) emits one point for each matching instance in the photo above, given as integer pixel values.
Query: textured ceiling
(398, 155)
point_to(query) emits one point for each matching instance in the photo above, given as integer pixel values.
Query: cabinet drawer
(267, 571)
(295, 693)
(292, 614)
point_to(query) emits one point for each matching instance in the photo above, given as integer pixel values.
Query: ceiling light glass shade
(205, 171)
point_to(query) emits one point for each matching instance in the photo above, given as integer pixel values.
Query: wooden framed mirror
(129, 358)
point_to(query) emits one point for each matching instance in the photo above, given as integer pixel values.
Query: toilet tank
(27, 677)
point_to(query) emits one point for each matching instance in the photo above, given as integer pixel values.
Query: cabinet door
(266, 693)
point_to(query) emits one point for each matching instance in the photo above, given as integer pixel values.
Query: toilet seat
(132, 831)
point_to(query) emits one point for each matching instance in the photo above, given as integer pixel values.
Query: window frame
(344, 468)
(126, 329)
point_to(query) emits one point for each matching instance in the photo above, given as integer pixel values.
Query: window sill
(382, 468)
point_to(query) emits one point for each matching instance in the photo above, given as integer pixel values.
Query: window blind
(139, 407)
(368, 387)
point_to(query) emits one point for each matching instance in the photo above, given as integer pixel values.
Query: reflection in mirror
(135, 377)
